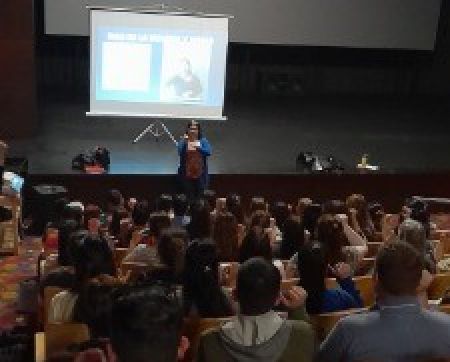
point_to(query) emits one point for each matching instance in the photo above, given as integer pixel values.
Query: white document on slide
(126, 66)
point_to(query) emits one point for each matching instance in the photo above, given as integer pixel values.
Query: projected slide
(158, 71)
(138, 66)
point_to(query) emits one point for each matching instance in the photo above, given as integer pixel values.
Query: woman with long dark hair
(226, 236)
(313, 269)
(202, 294)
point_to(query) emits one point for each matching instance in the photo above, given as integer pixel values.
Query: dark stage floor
(260, 137)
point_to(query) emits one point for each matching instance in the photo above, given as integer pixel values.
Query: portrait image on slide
(185, 69)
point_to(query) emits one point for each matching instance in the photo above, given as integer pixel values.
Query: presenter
(193, 149)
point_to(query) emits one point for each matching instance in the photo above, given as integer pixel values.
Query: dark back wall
(17, 69)
(281, 70)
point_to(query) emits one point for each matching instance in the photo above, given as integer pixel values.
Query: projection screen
(392, 24)
(157, 65)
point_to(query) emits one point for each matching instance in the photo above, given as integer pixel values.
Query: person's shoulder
(437, 318)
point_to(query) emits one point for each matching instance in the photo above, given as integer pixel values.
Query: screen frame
(160, 9)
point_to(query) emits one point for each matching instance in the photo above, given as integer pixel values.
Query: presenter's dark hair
(195, 123)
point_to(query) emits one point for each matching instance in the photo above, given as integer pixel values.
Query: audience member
(210, 197)
(234, 205)
(292, 240)
(165, 204)
(400, 330)
(93, 264)
(226, 237)
(256, 243)
(280, 211)
(311, 215)
(180, 210)
(144, 243)
(172, 251)
(359, 217)
(200, 225)
(202, 294)
(258, 333)
(114, 201)
(313, 269)
(146, 326)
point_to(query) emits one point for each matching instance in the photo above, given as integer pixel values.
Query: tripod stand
(157, 129)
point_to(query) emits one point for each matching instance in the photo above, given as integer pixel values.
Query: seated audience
(413, 233)
(202, 294)
(233, 204)
(180, 211)
(359, 216)
(114, 201)
(165, 204)
(226, 237)
(256, 243)
(340, 241)
(281, 212)
(400, 330)
(93, 264)
(200, 224)
(211, 198)
(90, 212)
(172, 252)
(311, 215)
(66, 232)
(143, 245)
(292, 240)
(313, 269)
(258, 333)
(146, 326)
(302, 204)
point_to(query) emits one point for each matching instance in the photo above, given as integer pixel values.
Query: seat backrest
(324, 323)
(437, 288)
(193, 329)
(373, 247)
(135, 268)
(228, 274)
(60, 336)
(119, 255)
(49, 293)
(365, 266)
(445, 308)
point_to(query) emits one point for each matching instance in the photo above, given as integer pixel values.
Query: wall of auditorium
(280, 70)
(17, 69)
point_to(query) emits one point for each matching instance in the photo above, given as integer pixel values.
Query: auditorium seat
(193, 329)
(437, 288)
(324, 323)
(443, 236)
(373, 248)
(228, 274)
(442, 221)
(58, 337)
(445, 308)
(365, 266)
(119, 255)
(136, 269)
(438, 250)
(49, 293)
(439, 285)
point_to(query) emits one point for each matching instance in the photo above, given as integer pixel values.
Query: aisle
(14, 269)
